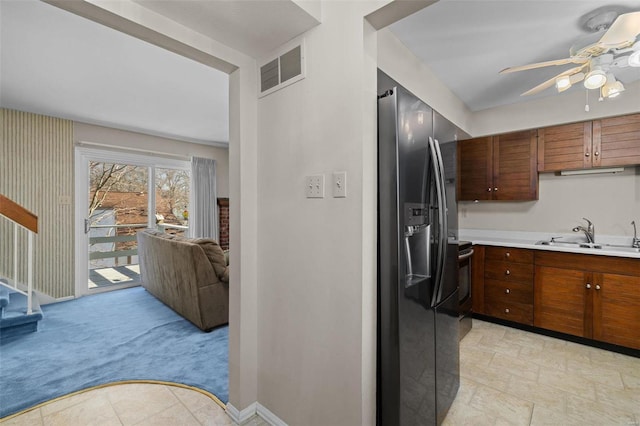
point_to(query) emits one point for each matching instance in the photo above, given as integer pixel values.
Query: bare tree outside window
(173, 187)
(118, 207)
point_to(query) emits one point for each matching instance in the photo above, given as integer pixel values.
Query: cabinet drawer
(516, 312)
(500, 291)
(509, 254)
(508, 271)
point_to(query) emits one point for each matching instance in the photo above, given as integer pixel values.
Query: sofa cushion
(215, 255)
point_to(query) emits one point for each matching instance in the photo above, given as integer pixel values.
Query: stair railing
(21, 218)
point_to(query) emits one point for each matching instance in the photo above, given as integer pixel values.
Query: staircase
(14, 317)
(19, 308)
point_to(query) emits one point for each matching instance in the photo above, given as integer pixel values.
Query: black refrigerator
(418, 353)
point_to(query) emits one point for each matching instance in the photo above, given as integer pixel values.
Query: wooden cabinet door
(475, 169)
(565, 147)
(515, 176)
(616, 309)
(616, 141)
(560, 300)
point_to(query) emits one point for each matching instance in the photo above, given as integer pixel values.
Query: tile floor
(130, 404)
(508, 377)
(512, 377)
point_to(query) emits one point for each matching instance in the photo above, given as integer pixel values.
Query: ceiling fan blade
(540, 87)
(544, 85)
(622, 32)
(577, 77)
(572, 60)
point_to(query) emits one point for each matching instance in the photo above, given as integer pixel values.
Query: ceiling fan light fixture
(563, 83)
(615, 92)
(595, 79)
(613, 88)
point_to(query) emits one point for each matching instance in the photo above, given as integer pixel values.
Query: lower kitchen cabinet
(596, 297)
(561, 300)
(590, 296)
(508, 284)
(616, 309)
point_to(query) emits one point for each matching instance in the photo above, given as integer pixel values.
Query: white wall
(316, 297)
(611, 201)
(404, 67)
(83, 132)
(552, 110)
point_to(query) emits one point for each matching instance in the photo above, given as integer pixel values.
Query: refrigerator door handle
(436, 158)
(407, 250)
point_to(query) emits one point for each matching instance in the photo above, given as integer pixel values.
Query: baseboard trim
(268, 416)
(239, 417)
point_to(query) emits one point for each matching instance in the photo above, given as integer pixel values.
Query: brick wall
(223, 208)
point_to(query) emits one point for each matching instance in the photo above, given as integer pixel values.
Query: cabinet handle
(506, 311)
(597, 287)
(495, 189)
(507, 255)
(507, 291)
(586, 154)
(596, 153)
(507, 272)
(588, 285)
(488, 189)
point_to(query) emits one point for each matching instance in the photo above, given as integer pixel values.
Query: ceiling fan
(618, 47)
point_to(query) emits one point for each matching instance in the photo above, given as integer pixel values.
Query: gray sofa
(188, 275)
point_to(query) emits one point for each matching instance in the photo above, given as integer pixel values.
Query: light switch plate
(314, 186)
(339, 184)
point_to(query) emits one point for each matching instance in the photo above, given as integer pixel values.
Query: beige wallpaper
(36, 171)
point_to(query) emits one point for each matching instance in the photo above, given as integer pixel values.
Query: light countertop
(527, 240)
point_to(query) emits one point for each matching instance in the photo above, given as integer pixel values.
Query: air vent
(282, 71)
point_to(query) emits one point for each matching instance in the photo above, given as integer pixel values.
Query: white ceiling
(254, 27)
(56, 63)
(466, 44)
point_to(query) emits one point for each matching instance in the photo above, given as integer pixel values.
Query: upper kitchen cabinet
(475, 169)
(565, 147)
(616, 141)
(608, 142)
(500, 167)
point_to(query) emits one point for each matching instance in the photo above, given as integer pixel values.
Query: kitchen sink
(625, 249)
(578, 244)
(572, 244)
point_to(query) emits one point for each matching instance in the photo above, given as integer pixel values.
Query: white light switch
(314, 186)
(339, 184)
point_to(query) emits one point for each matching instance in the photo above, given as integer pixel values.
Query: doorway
(119, 194)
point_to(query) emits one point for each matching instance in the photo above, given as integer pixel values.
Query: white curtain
(204, 222)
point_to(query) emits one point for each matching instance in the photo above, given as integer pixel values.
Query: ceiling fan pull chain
(586, 106)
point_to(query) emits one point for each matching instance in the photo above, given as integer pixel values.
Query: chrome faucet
(589, 231)
(636, 241)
